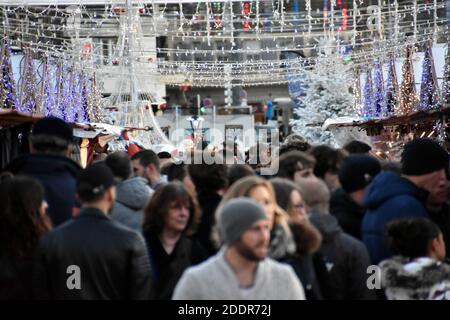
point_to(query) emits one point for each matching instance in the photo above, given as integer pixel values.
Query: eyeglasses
(299, 206)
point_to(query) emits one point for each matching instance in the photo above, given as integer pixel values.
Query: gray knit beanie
(237, 216)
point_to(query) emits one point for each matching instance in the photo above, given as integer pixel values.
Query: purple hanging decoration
(368, 96)
(429, 89)
(378, 100)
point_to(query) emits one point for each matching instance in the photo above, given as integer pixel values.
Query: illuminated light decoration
(391, 99)
(29, 102)
(446, 78)
(378, 99)
(408, 98)
(217, 9)
(207, 74)
(61, 75)
(344, 16)
(368, 111)
(8, 98)
(96, 102)
(246, 11)
(83, 116)
(429, 92)
(46, 92)
(357, 92)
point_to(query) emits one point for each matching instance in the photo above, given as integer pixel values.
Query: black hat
(94, 181)
(54, 127)
(357, 171)
(423, 156)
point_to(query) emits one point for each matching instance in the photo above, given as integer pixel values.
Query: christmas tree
(328, 96)
(446, 82)
(378, 90)
(368, 111)
(95, 103)
(81, 99)
(429, 94)
(29, 101)
(357, 92)
(58, 109)
(47, 96)
(408, 98)
(8, 98)
(69, 92)
(391, 99)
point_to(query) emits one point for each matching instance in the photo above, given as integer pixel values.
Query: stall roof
(419, 116)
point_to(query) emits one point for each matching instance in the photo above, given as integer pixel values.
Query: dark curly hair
(21, 220)
(293, 161)
(327, 159)
(160, 203)
(209, 178)
(411, 238)
(175, 171)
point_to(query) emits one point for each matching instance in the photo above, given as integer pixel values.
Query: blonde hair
(242, 188)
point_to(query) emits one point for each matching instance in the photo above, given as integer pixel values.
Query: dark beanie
(54, 127)
(423, 156)
(357, 171)
(237, 216)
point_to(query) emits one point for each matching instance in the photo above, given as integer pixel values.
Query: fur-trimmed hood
(418, 279)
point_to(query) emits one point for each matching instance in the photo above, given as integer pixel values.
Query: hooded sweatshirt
(348, 213)
(389, 197)
(419, 279)
(132, 196)
(58, 176)
(346, 259)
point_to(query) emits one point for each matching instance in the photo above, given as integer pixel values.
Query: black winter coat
(304, 269)
(348, 213)
(112, 259)
(442, 219)
(167, 269)
(208, 203)
(15, 278)
(346, 259)
(58, 176)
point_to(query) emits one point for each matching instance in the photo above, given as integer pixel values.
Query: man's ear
(69, 150)
(111, 194)
(151, 168)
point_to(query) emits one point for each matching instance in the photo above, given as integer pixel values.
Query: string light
(392, 92)
(408, 98)
(429, 92)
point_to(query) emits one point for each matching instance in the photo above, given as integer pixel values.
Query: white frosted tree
(328, 96)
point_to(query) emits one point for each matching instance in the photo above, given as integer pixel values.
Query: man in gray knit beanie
(241, 269)
(238, 216)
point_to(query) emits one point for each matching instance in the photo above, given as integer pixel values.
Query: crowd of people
(147, 226)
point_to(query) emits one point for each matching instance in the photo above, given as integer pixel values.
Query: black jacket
(304, 269)
(113, 260)
(208, 203)
(348, 213)
(442, 219)
(167, 269)
(58, 176)
(15, 278)
(346, 259)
